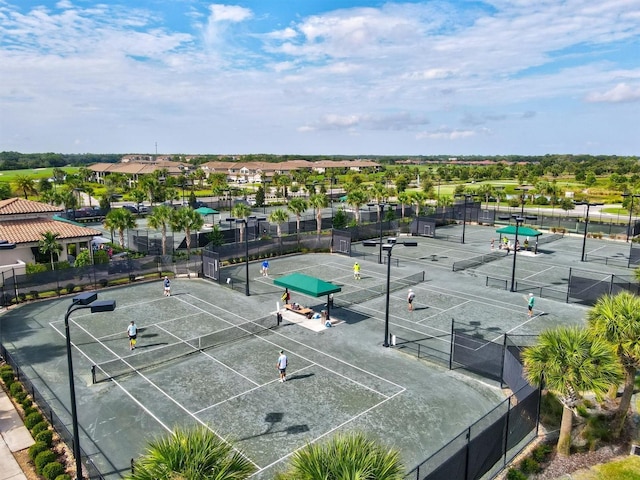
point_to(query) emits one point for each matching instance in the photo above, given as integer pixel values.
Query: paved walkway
(15, 437)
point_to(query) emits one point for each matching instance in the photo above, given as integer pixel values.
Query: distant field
(35, 173)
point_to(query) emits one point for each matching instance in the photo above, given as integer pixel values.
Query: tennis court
(206, 355)
(338, 380)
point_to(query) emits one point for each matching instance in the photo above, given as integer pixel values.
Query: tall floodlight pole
(519, 221)
(81, 301)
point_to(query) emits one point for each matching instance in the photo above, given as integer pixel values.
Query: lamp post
(81, 301)
(380, 212)
(519, 221)
(586, 226)
(245, 222)
(464, 213)
(632, 196)
(388, 247)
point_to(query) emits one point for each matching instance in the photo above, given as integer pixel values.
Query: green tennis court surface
(206, 355)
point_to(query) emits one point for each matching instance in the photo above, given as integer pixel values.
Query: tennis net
(157, 356)
(364, 294)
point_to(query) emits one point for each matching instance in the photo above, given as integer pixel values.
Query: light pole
(632, 196)
(464, 213)
(380, 212)
(388, 247)
(83, 300)
(245, 222)
(586, 226)
(519, 221)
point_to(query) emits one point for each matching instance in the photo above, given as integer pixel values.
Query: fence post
(451, 340)
(611, 285)
(569, 284)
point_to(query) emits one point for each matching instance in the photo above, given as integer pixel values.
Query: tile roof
(13, 206)
(30, 230)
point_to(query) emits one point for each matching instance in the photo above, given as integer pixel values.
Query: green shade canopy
(206, 211)
(524, 231)
(306, 284)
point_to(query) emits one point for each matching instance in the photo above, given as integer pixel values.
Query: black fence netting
(477, 354)
(18, 288)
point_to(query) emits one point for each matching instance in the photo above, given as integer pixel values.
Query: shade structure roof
(524, 231)
(306, 284)
(206, 211)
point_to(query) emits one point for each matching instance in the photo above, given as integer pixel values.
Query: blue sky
(310, 77)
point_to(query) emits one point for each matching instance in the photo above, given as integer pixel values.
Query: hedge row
(41, 453)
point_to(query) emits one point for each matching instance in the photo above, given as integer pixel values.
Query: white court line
(328, 432)
(197, 412)
(538, 273)
(195, 349)
(443, 311)
(180, 406)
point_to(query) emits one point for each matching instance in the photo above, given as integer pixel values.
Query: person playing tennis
(282, 366)
(356, 271)
(132, 332)
(530, 303)
(167, 287)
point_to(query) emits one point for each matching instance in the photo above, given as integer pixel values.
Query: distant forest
(18, 161)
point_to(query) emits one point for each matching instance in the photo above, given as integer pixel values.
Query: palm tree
(196, 454)
(571, 361)
(419, 198)
(241, 210)
(297, 206)
(404, 198)
(26, 184)
(48, 244)
(187, 220)
(617, 320)
(346, 456)
(278, 217)
(159, 220)
(319, 201)
(357, 198)
(487, 191)
(119, 219)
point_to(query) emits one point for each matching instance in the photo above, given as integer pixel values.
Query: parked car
(131, 208)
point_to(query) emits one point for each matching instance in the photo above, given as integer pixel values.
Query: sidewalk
(15, 437)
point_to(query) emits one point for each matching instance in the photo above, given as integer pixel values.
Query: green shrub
(22, 296)
(6, 368)
(26, 403)
(529, 465)
(45, 436)
(52, 470)
(514, 474)
(541, 452)
(29, 410)
(104, 282)
(20, 396)
(43, 459)
(32, 419)
(15, 388)
(36, 448)
(34, 294)
(70, 287)
(596, 431)
(7, 378)
(39, 427)
(63, 477)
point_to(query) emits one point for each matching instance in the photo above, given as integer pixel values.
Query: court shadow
(299, 377)
(150, 345)
(416, 309)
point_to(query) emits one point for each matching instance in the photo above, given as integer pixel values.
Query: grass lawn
(624, 469)
(35, 173)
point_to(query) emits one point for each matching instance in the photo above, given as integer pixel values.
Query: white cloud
(621, 93)
(446, 134)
